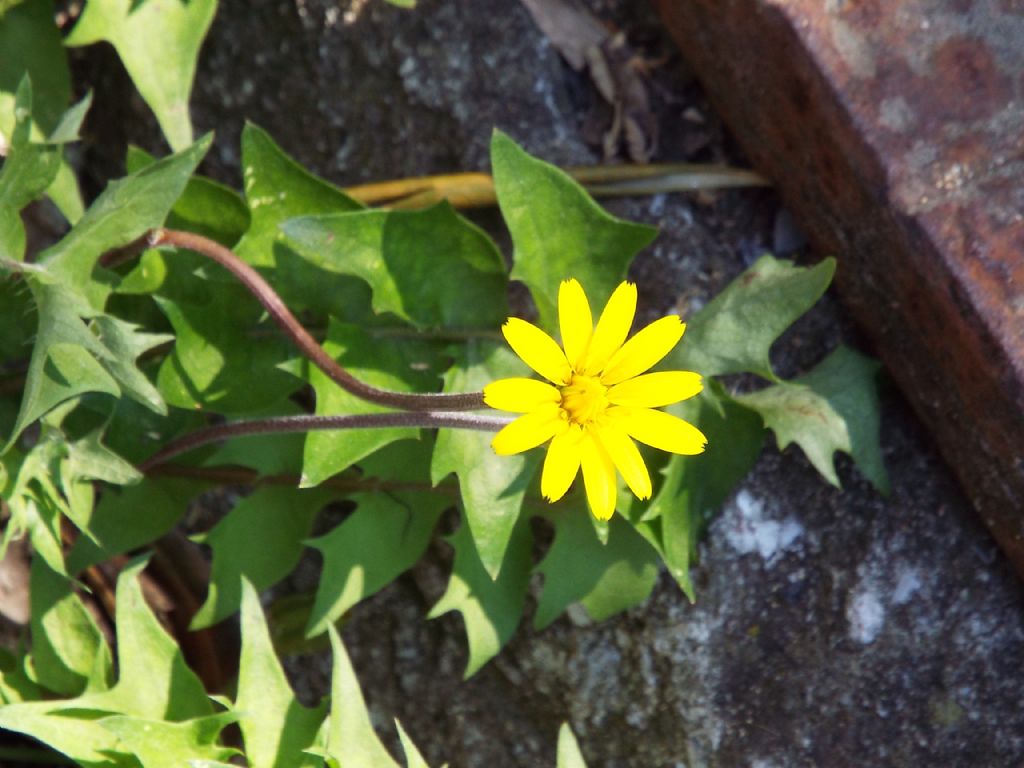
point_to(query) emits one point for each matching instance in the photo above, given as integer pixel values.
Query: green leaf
(36, 504)
(154, 682)
(68, 649)
(27, 171)
(125, 343)
(606, 578)
(406, 365)
(569, 755)
(17, 320)
(80, 738)
(276, 189)
(77, 465)
(832, 408)
(65, 194)
(432, 268)
(734, 332)
(16, 683)
(125, 210)
(224, 359)
(159, 744)
(29, 167)
(261, 541)
(31, 44)
(127, 518)
(490, 608)
(276, 728)
(68, 359)
(70, 123)
(205, 207)
(694, 487)
(64, 360)
(558, 231)
(349, 738)
(385, 536)
(492, 486)
(12, 234)
(158, 42)
(413, 758)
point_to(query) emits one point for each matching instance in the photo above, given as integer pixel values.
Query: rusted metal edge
(897, 139)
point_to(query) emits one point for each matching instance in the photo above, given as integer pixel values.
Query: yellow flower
(597, 402)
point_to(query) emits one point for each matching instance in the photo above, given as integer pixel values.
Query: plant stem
(307, 423)
(302, 339)
(476, 190)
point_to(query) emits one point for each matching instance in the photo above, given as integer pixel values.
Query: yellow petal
(653, 390)
(659, 429)
(519, 395)
(598, 477)
(561, 464)
(529, 431)
(574, 320)
(612, 329)
(643, 350)
(626, 457)
(537, 349)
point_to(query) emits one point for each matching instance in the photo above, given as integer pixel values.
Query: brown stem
(307, 423)
(299, 336)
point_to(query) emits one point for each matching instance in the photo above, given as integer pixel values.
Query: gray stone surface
(834, 628)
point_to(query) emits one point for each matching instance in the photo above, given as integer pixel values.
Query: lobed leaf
(276, 728)
(832, 408)
(154, 684)
(68, 649)
(349, 738)
(276, 189)
(224, 359)
(559, 231)
(734, 332)
(125, 210)
(127, 518)
(492, 487)
(29, 168)
(259, 541)
(383, 538)
(694, 487)
(31, 44)
(159, 744)
(158, 43)
(490, 607)
(569, 755)
(431, 268)
(206, 207)
(606, 578)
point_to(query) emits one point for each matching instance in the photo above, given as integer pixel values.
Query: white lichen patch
(866, 615)
(907, 583)
(747, 530)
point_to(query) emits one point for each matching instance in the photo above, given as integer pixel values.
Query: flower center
(584, 399)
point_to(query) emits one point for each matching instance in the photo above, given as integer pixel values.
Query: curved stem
(302, 339)
(307, 423)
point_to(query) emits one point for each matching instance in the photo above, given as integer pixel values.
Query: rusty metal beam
(894, 130)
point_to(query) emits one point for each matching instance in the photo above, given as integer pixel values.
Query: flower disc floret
(599, 399)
